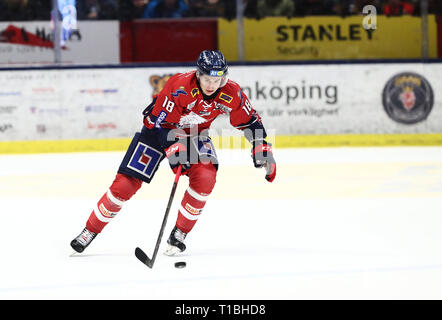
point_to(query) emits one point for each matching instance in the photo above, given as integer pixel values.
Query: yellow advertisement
(328, 38)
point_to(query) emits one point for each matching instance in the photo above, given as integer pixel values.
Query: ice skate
(83, 240)
(175, 242)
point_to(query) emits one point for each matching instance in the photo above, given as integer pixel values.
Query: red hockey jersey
(181, 104)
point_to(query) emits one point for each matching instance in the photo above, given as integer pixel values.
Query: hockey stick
(140, 253)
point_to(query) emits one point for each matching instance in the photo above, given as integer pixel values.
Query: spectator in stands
(341, 7)
(269, 8)
(397, 8)
(96, 9)
(24, 10)
(434, 7)
(166, 9)
(206, 8)
(357, 6)
(132, 9)
(229, 9)
(314, 7)
(251, 9)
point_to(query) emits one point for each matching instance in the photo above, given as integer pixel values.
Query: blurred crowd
(126, 10)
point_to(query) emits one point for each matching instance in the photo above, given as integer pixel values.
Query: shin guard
(121, 190)
(202, 178)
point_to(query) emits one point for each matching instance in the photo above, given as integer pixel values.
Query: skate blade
(73, 254)
(172, 251)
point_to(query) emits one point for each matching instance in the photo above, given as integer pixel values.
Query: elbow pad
(254, 130)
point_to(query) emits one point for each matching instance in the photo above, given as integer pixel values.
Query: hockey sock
(107, 208)
(190, 210)
(202, 179)
(121, 190)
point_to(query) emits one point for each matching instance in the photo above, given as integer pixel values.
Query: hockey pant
(140, 165)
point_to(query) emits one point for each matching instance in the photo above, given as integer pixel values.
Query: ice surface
(337, 223)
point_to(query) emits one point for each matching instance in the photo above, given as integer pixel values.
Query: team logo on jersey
(191, 105)
(206, 106)
(179, 91)
(225, 97)
(408, 98)
(160, 119)
(222, 107)
(190, 120)
(194, 92)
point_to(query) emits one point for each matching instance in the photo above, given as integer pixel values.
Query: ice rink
(337, 223)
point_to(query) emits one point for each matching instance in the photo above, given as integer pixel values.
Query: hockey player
(175, 127)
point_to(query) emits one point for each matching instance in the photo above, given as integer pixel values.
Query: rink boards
(86, 108)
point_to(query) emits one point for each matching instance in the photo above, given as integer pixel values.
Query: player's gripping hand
(263, 157)
(178, 156)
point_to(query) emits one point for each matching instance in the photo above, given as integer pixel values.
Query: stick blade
(143, 257)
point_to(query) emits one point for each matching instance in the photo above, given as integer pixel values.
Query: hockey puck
(180, 264)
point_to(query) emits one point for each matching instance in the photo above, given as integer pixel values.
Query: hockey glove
(263, 157)
(178, 156)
